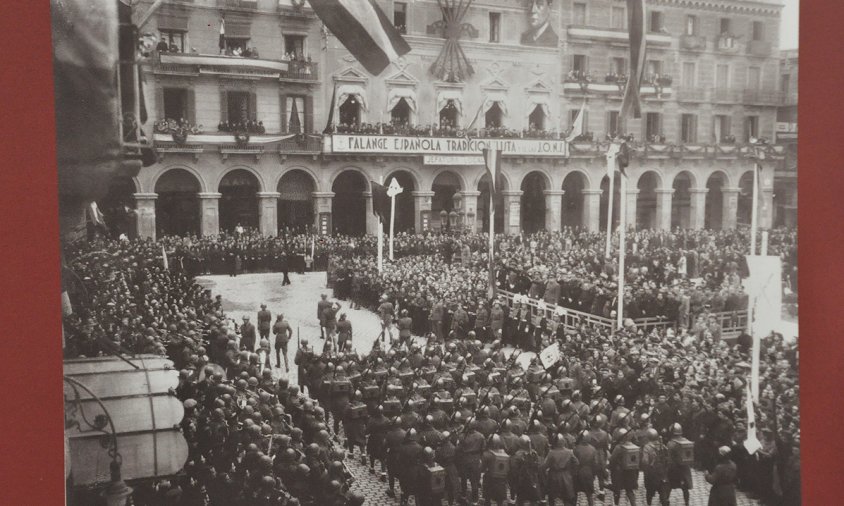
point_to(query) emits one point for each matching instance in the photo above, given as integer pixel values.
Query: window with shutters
(618, 18)
(656, 22)
(175, 103)
(618, 66)
(653, 126)
(295, 110)
(689, 71)
(240, 107)
(614, 126)
(400, 16)
(785, 83)
(495, 27)
(578, 63)
(294, 46)
(579, 14)
(721, 129)
(688, 128)
(722, 76)
(751, 127)
(172, 41)
(691, 25)
(754, 78)
(757, 30)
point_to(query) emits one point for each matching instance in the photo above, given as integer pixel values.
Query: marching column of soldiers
(454, 421)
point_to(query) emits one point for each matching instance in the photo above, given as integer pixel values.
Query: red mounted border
(30, 377)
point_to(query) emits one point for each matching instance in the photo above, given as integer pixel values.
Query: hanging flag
(492, 159)
(95, 215)
(751, 444)
(474, 119)
(636, 22)
(329, 125)
(164, 259)
(363, 28)
(578, 128)
(380, 201)
(623, 158)
(222, 35)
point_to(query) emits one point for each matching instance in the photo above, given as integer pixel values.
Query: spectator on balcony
(162, 46)
(174, 48)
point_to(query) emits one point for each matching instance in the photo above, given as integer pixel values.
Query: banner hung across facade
(444, 146)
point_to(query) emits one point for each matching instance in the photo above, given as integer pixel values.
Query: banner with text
(444, 145)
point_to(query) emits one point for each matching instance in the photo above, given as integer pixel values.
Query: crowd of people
(250, 126)
(445, 129)
(450, 420)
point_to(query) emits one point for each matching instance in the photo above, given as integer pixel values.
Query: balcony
(580, 82)
(237, 67)
(300, 144)
(726, 96)
(289, 9)
(692, 42)
(692, 95)
(242, 5)
(595, 33)
(759, 97)
(761, 48)
(727, 43)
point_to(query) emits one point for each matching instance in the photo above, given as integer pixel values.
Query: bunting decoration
(452, 65)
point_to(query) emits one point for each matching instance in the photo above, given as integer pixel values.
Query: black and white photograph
(430, 252)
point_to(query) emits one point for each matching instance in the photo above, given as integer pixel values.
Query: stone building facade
(712, 83)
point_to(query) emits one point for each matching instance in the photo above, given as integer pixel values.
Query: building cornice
(749, 7)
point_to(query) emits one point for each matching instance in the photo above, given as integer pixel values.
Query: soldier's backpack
(433, 477)
(500, 465)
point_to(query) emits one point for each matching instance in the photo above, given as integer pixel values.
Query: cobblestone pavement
(245, 293)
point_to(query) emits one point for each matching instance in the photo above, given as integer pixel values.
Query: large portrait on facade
(539, 30)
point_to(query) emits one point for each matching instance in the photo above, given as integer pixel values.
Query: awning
(396, 94)
(443, 96)
(493, 97)
(344, 91)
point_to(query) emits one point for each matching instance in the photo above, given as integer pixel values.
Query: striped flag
(380, 201)
(492, 159)
(95, 215)
(222, 34)
(636, 20)
(363, 28)
(578, 128)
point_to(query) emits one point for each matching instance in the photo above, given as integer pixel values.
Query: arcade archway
(445, 185)
(405, 207)
(573, 186)
(714, 213)
(239, 200)
(533, 202)
(681, 201)
(296, 204)
(177, 205)
(348, 208)
(646, 203)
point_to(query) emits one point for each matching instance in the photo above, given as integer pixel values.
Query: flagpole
(380, 245)
(491, 244)
(755, 210)
(622, 232)
(611, 174)
(392, 222)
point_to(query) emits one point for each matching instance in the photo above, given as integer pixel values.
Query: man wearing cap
(265, 319)
(723, 480)
(322, 305)
(283, 332)
(386, 311)
(247, 335)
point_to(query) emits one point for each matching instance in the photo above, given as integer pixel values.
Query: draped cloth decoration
(344, 91)
(452, 65)
(541, 101)
(396, 94)
(497, 96)
(454, 95)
